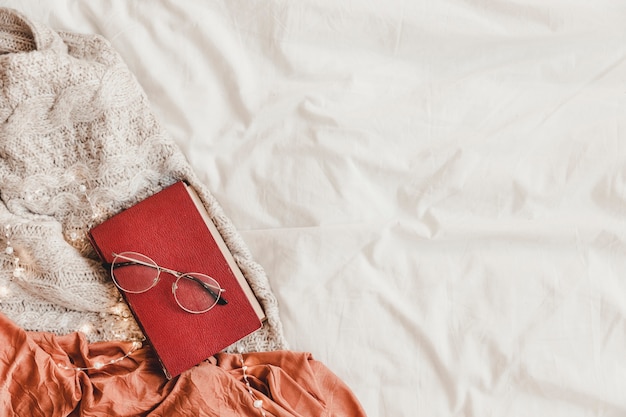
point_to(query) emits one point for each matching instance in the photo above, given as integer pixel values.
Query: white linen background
(435, 189)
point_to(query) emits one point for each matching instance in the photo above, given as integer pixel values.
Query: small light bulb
(86, 328)
(4, 292)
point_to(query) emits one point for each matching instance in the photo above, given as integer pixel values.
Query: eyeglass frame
(130, 261)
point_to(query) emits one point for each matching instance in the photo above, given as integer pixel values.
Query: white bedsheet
(437, 190)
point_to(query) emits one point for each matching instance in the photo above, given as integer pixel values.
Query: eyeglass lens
(134, 272)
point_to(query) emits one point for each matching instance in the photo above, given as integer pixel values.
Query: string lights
(258, 403)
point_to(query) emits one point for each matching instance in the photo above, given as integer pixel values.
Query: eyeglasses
(137, 273)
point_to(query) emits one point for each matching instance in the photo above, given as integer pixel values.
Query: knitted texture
(78, 144)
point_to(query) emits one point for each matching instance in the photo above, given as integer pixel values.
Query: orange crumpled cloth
(34, 382)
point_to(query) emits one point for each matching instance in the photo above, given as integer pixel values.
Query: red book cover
(171, 228)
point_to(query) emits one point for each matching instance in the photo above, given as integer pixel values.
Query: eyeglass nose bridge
(171, 271)
(177, 274)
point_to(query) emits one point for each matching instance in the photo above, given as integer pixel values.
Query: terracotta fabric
(34, 382)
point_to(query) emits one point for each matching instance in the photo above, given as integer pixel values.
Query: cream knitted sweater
(78, 143)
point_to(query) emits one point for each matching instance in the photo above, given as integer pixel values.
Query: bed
(436, 190)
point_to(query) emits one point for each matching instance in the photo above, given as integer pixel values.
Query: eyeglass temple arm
(220, 300)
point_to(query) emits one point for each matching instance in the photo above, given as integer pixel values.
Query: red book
(173, 229)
